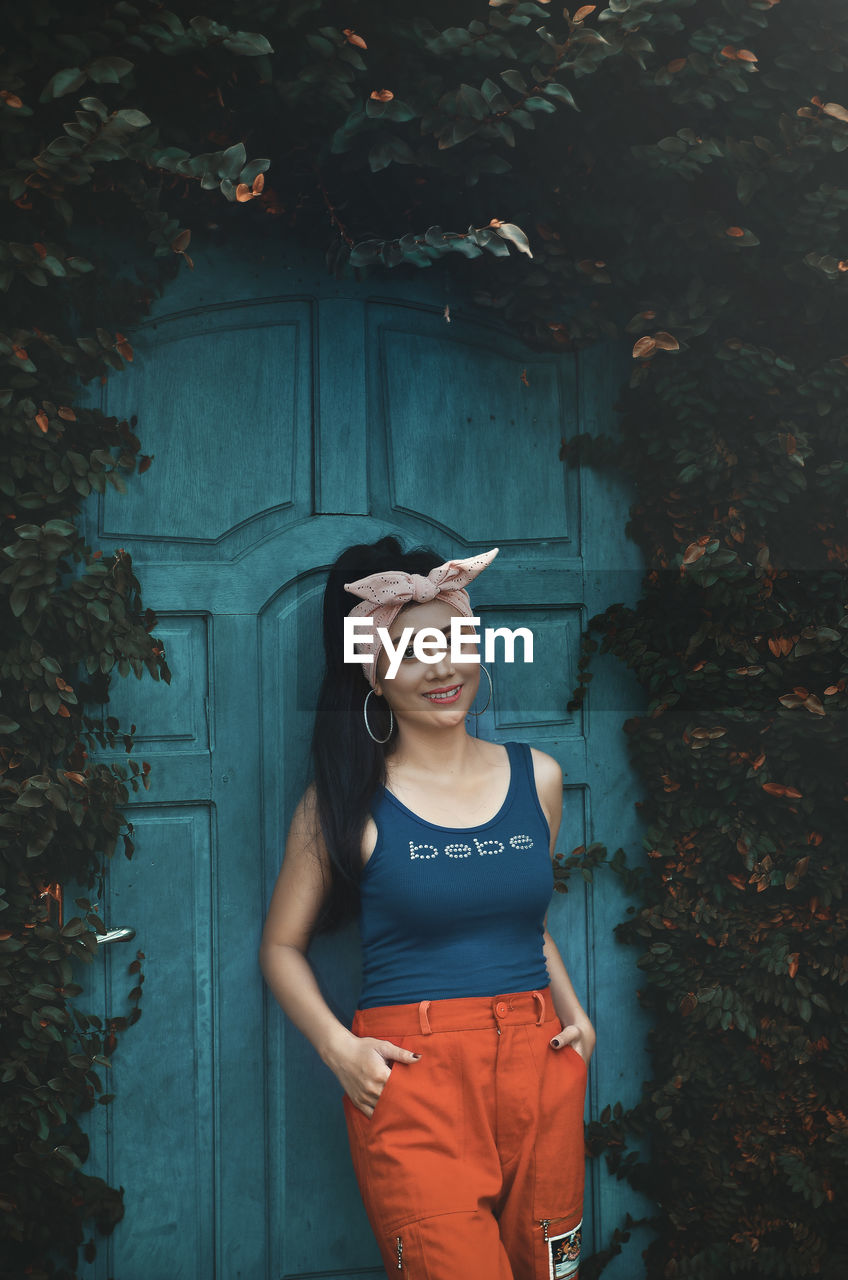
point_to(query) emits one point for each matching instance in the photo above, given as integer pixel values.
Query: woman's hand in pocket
(580, 1036)
(365, 1067)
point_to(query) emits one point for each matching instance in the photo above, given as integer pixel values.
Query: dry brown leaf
(644, 347)
(666, 341)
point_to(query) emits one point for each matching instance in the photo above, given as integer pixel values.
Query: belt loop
(537, 995)
(423, 1020)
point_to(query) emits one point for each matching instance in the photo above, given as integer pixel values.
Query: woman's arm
(360, 1063)
(576, 1029)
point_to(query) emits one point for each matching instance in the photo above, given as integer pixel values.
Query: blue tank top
(451, 911)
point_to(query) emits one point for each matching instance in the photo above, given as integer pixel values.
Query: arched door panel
(289, 416)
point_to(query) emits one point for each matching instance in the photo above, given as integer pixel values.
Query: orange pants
(472, 1164)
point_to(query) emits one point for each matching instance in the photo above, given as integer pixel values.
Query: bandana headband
(385, 594)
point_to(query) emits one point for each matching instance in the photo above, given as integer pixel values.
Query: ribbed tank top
(456, 911)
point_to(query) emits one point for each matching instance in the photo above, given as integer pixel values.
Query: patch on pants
(564, 1254)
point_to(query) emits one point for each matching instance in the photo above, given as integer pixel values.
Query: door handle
(56, 893)
(115, 935)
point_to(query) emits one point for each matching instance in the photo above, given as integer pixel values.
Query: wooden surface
(290, 415)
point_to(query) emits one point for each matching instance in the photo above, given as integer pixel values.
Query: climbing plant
(667, 173)
(72, 619)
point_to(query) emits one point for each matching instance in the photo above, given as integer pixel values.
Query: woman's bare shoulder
(548, 777)
(305, 816)
(305, 834)
(547, 770)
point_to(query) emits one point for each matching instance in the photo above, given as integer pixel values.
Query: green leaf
(515, 80)
(397, 110)
(109, 70)
(98, 609)
(539, 104)
(365, 253)
(390, 150)
(494, 95)
(471, 102)
(252, 170)
(18, 600)
(559, 91)
(455, 38)
(320, 45)
(232, 161)
(463, 245)
(137, 119)
(673, 145)
(509, 231)
(522, 117)
(63, 82)
(247, 43)
(30, 799)
(96, 106)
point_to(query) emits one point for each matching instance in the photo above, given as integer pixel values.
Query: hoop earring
(489, 699)
(367, 725)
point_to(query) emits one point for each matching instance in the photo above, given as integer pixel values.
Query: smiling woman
(464, 1070)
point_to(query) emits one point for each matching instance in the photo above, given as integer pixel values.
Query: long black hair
(348, 766)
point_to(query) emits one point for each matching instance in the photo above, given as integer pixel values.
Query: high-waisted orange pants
(471, 1166)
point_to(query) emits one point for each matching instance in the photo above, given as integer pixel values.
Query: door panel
(468, 444)
(290, 416)
(224, 401)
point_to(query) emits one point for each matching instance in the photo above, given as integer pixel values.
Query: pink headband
(385, 594)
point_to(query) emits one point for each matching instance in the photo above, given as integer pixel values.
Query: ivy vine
(667, 172)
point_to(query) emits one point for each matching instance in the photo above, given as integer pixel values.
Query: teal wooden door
(290, 415)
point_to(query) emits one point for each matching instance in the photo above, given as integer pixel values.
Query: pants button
(501, 1009)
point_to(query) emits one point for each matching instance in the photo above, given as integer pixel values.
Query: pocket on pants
(559, 1146)
(407, 1155)
(395, 1075)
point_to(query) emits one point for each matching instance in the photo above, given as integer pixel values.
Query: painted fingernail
(416, 1056)
(555, 1044)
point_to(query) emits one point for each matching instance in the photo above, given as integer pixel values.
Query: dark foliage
(675, 169)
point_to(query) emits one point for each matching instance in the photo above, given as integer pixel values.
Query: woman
(464, 1071)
